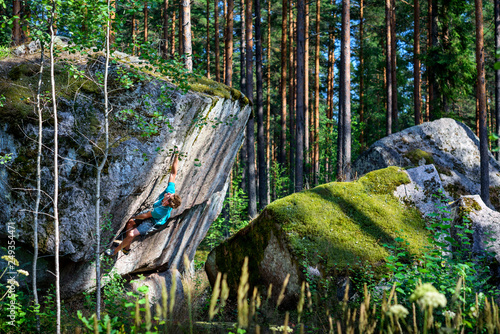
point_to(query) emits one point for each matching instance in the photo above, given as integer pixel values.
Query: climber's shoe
(125, 251)
(109, 252)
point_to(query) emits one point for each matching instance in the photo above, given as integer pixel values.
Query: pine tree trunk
(269, 154)
(481, 96)
(217, 44)
(284, 55)
(186, 30)
(261, 141)
(224, 38)
(134, 40)
(208, 39)
(361, 78)
(16, 27)
(301, 82)
(164, 51)
(316, 93)
(181, 28)
(416, 63)
(345, 91)
(307, 117)
(291, 95)
(252, 191)
(395, 118)
(172, 35)
(146, 14)
(388, 70)
(497, 74)
(229, 44)
(243, 85)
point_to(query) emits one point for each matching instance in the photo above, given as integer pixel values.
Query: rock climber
(151, 220)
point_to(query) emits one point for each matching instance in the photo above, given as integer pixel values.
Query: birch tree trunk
(186, 31)
(56, 171)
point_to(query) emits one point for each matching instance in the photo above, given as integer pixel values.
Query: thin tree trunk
(346, 90)
(224, 38)
(417, 98)
(497, 74)
(291, 95)
(388, 66)
(301, 82)
(261, 142)
(252, 193)
(208, 39)
(268, 118)
(38, 187)
(243, 87)
(229, 44)
(56, 172)
(362, 78)
(481, 96)
(433, 91)
(164, 45)
(316, 93)
(146, 14)
(395, 117)
(134, 28)
(172, 35)
(186, 30)
(307, 118)
(181, 28)
(284, 35)
(217, 46)
(112, 36)
(100, 167)
(16, 27)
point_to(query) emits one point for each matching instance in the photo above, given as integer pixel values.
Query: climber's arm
(143, 216)
(173, 172)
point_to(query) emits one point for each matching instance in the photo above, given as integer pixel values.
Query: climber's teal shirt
(161, 213)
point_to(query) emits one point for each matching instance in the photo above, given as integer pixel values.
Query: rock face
(450, 145)
(333, 230)
(145, 128)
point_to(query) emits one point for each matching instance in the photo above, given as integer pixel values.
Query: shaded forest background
(410, 62)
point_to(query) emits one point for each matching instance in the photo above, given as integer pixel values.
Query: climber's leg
(127, 241)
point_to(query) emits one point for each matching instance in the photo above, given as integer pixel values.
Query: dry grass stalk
(300, 305)
(309, 297)
(224, 291)
(96, 324)
(269, 291)
(415, 328)
(242, 296)
(137, 320)
(212, 310)
(189, 296)
(285, 325)
(147, 317)
(108, 326)
(282, 292)
(164, 302)
(173, 288)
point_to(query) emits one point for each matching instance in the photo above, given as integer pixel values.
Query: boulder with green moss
(150, 118)
(335, 230)
(448, 144)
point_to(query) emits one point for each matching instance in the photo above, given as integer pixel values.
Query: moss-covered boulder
(448, 144)
(335, 230)
(150, 118)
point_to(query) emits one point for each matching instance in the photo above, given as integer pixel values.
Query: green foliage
(233, 218)
(449, 258)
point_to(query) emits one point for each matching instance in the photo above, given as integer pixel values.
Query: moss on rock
(416, 155)
(339, 227)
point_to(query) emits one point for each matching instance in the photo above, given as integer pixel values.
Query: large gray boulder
(448, 144)
(206, 126)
